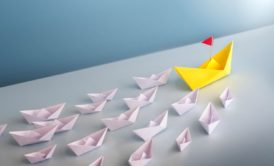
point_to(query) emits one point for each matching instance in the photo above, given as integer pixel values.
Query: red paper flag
(208, 41)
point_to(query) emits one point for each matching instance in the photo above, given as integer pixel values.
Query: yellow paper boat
(213, 69)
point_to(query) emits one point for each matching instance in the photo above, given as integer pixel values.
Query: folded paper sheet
(41, 155)
(213, 69)
(64, 124)
(226, 97)
(92, 107)
(38, 135)
(155, 126)
(209, 118)
(2, 128)
(42, 114)
(143, 99)
(107, 95)
(184, 139)
(88, 143)
(153, 81)
(142, 155)
(125, 119)
(98, 162)
(186, 103)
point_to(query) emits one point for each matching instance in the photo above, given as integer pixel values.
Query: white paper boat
(125, 119)
(41, 155)
(143, 99)
(186, 103)
(98, 162)
(42, 114)
(142, 155)
(209, 118)
(92, 107)
(64, 124)
(226, 97)
(155, 126)
(38, 135)
(2, 128)
(184, 139)
(153, 81)
(88, 143)
(107, 95)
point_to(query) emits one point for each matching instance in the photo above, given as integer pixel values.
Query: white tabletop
(244, 137)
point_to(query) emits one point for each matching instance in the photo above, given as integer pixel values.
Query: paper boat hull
(208, 73)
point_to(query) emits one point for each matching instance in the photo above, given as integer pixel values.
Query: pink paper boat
(98, 162)
(184, 139)
(143, 99)
(42, 114)
(41, 155)
(155, 126)
(125, 119)
(209, 118)
(107, 95)
(64, 124)
(142, 155)
(186, 103)
(88, 143)
(91, 108)
(226, 97)
(2, 128)
(38, 135)
(153, 81)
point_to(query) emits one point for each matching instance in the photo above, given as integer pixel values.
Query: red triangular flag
(208, 41)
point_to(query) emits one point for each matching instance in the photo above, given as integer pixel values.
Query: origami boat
(88, 143)
(213, 69)
(98, 162)
(155, 127)
(41, 155)
(125, 119)
(144, 98)
(2, 128)
(142, 155)
(209, 119)
(186, 103)
(42, 114)
(154, 80)
(106, 95)
(226, 97)
(97, 106)
(38, 135)
(64, 124)
(184, 139)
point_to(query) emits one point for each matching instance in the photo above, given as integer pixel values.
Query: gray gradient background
(244, 136)
(40, 38)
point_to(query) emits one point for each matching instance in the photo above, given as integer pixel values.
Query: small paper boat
(186, 103)
(92, 107)
(41, 155)
(107, 95)
(213, 69)
(143, 99)
(209, 118)
(64, 124)
(125, 119)
(88, 143)
(2, 128)
(226, 97)
(42, 114)
(142, 155)
(184, 139)
(38, 135)
(153, 81)
(98, 162)
(155, 126)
